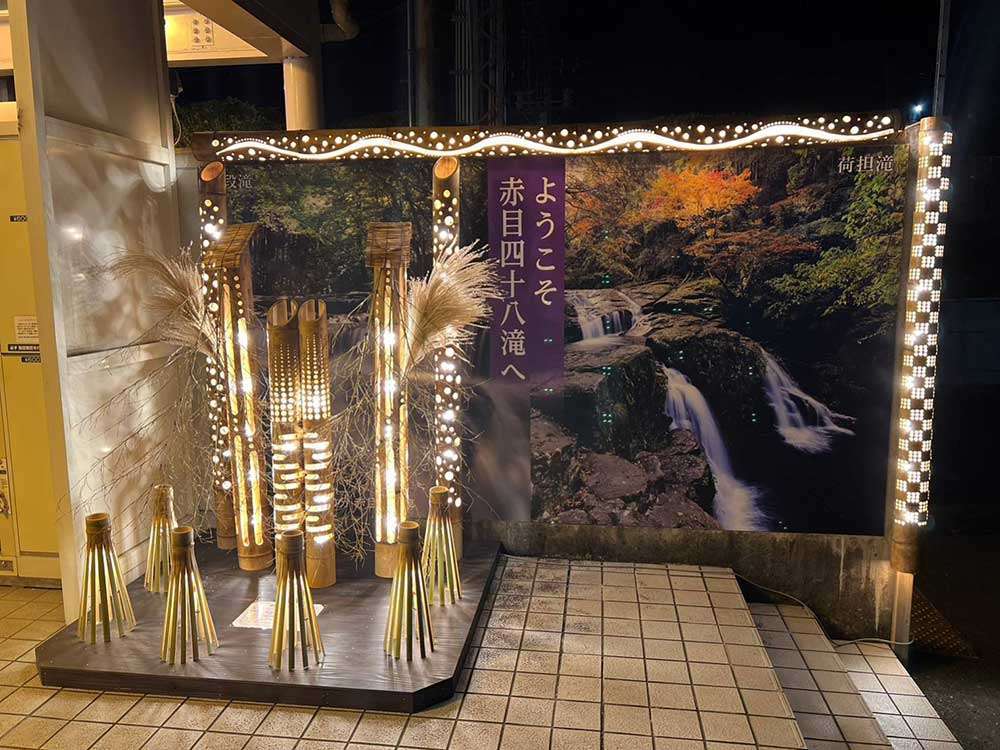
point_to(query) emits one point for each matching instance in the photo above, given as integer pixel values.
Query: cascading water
(598, 315)
(804, 422)
(735, 502)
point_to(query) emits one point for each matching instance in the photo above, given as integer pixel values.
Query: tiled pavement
(569, 656)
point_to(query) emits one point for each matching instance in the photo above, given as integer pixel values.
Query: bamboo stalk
(158, 552)
(439, 559)
(294, 613)
(407, 597)
(103, 594)
(187, 614)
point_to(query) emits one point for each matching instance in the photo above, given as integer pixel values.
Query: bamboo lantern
(295, 628)
(158, 551)
(439, 559)
(188, 618)
(211, 220)
(447, 365)
(409, 615)
(286, 415)
(103, 597)
(317, 443)
(388, 255)
(227, 278)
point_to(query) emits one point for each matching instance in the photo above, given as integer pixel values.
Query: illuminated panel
(564, 141)
(447, 376)
(284, 387)
(920, 337)
(388, 255)
(317, 443)
(226, 263)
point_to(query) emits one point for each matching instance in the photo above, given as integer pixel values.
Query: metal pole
(942, 58)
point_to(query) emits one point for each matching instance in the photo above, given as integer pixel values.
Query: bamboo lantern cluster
(439, 560)
(211, 220)
(158, 550)
(295, 629)
(286, 415)
(229, 291)
(409, 614)
(188, 620)
(388, 255)
(447, 374)
(103, 596)
(317, 443)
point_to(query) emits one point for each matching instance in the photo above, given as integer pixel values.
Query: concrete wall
(846, 580)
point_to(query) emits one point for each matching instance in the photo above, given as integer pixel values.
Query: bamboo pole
(158, 551)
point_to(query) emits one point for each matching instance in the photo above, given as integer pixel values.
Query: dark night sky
(624, 60)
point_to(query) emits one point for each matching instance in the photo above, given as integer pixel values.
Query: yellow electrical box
(28, 542)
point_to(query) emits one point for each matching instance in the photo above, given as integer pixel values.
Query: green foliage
(224, 114)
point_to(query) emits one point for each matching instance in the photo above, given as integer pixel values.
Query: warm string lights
(445, 199)
(388, 255)
(230, 303)
(104, 598)
(554, 141)
(284, 383)
(920, 337)
(188, 620)
(211, 220)
(317, 443)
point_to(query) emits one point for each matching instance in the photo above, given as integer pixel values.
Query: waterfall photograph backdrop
(729, 324)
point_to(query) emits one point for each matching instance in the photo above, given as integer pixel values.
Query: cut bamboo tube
(103, 598)
(439, 559)
(188, 618)
(409, 615)
(158, 552)
(295, 629)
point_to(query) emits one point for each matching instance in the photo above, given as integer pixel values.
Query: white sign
(26, 329)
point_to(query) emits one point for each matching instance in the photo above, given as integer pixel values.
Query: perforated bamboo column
(103, 596)
(295, 629)
(409, 615)
(286, 415)
(388, 255)
(317, 443)
(188, 620)
(229, 288)
(448, 403)
(438, 558)
(212, 220)
(158, 549)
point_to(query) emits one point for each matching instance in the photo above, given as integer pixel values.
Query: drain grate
(932, 633)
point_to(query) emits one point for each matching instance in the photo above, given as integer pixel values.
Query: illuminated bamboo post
(317, 443)
(388, 255)
(447, 376)
(104, 598)
(211, 222)
(409, 615)
(158, 549)
(286, 415)
(438, 559)
(188, 618)
(230, 302)
(295, 628)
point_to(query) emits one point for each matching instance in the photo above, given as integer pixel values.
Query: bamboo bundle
(439, 559)
(409, 615)
(188, 617)
(103, 597)
(158, 552)
(294, 614)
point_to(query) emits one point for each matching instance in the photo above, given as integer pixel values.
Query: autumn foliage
(686, 195)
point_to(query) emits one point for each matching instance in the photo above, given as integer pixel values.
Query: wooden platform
(356, 673)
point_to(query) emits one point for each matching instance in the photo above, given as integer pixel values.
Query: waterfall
(804, 422)
(735, 502)
(595, 317)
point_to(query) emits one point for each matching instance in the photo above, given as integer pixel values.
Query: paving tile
(625, 692)
(627, 720)
(575, 739)
(671, 695)
(287, 721)
(483, 708)
(65, 704)
(151, 711)
(124, 737)
(627, 742)
(25, 700)
(32, 731)
(670, 722)
(381, 729)
(474, 735)
(219, 741)
(196, 714)
(329, 724)
(776, 732)
(427, 733)
(166, 738)
(76, 735)
(531, 711)
(108, 707)
(260, 742)
(577, 715)
(579, 688)
(723, 727)
(528, 685)
(524, 738)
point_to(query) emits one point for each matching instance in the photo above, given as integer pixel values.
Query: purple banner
(526, 198)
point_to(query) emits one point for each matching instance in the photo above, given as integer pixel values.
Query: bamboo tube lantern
(447, 365)
(188, 619)
(409, 615)
(230, 301)
(295, 629)
(211, 220)
(388, 255)
(439, 559)
(286, 415)
(158, 550)
(317, 443)
(103, 596)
